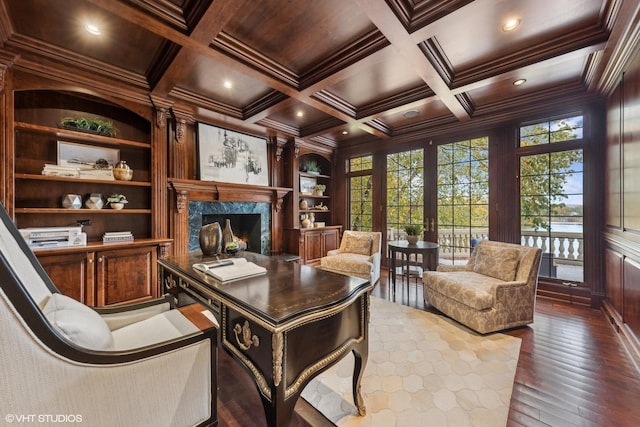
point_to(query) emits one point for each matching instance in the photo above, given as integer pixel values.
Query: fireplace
(250, 221)
(246, 227)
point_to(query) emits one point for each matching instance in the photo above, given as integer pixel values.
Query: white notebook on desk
(230, 269)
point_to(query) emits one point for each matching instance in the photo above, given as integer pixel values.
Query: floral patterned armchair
(359, 255)
(495, 290)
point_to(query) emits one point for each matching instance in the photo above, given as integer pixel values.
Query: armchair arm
(507, 289)
(375, 258)
(333, 252)
(120, 316)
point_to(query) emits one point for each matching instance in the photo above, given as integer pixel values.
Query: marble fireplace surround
(235, 211)
(192, 198)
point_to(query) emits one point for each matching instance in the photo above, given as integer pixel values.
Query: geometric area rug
(423, 370)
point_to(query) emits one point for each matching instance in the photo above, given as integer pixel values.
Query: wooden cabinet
(96, 274)
(108, 275)
(313, 190)
(313, 243)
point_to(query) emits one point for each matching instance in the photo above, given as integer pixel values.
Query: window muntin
(360, 193)
(552, 131)
(551, 198)
(463, 197)
(405, 192)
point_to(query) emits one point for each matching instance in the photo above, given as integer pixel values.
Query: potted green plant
(311, 166)
(413, 233)
(318, 189)
(91, 125)
(117, 201)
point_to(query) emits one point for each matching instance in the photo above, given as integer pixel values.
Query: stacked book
(82, 172)
(117, 237)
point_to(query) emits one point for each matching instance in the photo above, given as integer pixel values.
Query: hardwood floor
(573, 371)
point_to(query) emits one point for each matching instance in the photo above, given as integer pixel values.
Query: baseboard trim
(628, 338)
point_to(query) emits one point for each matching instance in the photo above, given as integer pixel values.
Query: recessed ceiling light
(511, 24)
(299, 114)
(345, 132)
(519, 82)
(410, 114)
(93, 29)
(227, 84)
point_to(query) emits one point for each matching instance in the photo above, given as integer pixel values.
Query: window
(551, 197)
(405, 192)
(552, 131)
(360, 193)
(463, 198)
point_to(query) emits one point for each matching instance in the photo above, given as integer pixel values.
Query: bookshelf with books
(48, 168)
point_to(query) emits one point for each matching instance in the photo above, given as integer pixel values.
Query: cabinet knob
(100, 259)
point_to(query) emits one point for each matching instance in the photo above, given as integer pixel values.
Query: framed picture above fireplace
(228, 156)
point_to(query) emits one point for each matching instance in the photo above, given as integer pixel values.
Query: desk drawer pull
(245, 340)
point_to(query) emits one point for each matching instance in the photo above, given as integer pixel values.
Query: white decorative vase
(94, 201)
(72, 201)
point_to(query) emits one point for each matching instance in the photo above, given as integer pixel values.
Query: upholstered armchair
(359, 255)
(495, 290)
(139, 365)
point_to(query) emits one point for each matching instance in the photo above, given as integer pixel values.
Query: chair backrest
(17, 260)
(528, 259)
(376, 239)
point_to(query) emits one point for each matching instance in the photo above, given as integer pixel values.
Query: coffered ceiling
(328, 71)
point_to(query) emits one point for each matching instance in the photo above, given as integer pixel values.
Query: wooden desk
(428, 250)
(284, 327)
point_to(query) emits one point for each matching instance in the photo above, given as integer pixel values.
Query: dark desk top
(288, 290)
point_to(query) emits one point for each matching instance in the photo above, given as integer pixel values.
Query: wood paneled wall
(622, 201)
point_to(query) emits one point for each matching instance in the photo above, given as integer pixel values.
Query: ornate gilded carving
(169, 283)
(3, 74)
(181, 130)
(181, 201)
(244, 339)
(279, 203)
(161, 117)
(277, 348)
(279, 149)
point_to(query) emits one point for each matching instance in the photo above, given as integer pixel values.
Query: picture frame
(74, 154)
(229, 156)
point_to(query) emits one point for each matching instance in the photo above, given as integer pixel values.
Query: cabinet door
(126, 275)
(331, 240)
(72, 274)
(313, 246)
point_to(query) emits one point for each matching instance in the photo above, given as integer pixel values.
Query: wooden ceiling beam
(385, 20)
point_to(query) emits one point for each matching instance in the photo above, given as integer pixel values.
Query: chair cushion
(356, 244)
(497, 262)
(349, 263)
(78, 323)
(466, 287)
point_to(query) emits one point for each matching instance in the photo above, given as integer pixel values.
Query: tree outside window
(551, 197)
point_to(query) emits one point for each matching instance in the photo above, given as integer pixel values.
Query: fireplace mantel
(228, 192)
(191, 190)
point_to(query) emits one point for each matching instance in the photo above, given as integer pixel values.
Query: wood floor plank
(573, 371)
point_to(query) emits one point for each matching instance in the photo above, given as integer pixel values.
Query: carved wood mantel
(189, 189)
